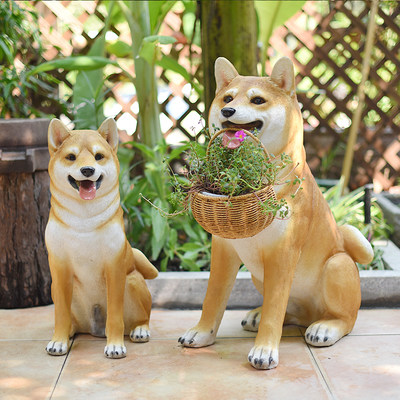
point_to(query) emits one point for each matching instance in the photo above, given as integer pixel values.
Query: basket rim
(215, 197)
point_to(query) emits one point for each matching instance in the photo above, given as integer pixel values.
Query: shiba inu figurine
(98, 280)
(304, 266)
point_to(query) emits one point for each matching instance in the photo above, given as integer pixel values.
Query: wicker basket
(233, 217)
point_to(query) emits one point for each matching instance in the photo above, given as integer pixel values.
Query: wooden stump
(24, 209)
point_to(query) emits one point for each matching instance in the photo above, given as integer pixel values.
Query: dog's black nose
(228, 112)
(87, 171)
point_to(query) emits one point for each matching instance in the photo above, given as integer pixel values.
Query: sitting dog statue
(98, 280)
(304, 265)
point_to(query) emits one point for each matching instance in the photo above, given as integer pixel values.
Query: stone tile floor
(364, 365)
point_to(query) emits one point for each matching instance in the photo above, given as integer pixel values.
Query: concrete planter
(186, 290)
(25, 204)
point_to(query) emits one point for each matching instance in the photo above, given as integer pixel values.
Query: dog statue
(98, 280)
(304, 266)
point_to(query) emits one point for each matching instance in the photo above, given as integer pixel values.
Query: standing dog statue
(304, 266)
(98, 280)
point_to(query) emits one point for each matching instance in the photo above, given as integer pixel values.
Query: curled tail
(356, 245)
(143, 265)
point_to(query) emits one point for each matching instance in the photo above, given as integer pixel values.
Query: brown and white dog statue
(98, 280)
(304, 265)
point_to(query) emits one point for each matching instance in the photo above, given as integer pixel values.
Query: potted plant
(230, 186)
(24, 181)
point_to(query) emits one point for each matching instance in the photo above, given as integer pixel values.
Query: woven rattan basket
(233, 217)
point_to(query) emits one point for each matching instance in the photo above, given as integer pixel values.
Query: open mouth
(251, 126)
(86, 188)
(229, 139)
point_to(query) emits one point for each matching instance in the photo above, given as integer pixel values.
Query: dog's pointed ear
(108, 129)
(56, 135)
(283, 75)
(224, 73)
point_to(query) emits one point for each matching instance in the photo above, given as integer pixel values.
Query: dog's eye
(98, 157)
(71, 157)
(228, 99)
(257, 100)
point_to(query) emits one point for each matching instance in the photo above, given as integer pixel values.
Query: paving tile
(163, 369)
(27, 372)
(365, 364)
(377, 322)
(362, 367)
(374, 322)
(27, 323)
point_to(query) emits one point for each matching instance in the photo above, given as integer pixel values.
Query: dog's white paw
(197, 338)
(57, 348)
(263, 357)
(322, 334)
(252, 320)
(115, 351)
(140, 334)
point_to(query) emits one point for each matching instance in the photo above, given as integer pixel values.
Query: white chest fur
(84, 250)
(252, 250)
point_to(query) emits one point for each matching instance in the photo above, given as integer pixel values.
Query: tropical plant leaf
(169, 63)
(271, 14)
(157, 12)
(75, 63)
(119, 48)
(160, 39)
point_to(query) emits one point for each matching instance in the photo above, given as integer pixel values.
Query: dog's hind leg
(341, 295)
(139, 307)
(253, 317)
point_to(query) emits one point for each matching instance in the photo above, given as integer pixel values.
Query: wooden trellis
(326, 46)
(328, 59)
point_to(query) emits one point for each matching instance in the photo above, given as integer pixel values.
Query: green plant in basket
(226, 171)
(229, 186)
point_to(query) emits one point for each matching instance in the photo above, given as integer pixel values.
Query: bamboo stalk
(355, 125)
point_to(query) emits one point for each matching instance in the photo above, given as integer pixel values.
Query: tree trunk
(228, 29)
(24, 209)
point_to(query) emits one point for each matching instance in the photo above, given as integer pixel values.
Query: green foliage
(75, 63)
(179, 243)
(349, 209)
(18, 31)
(144, 20)
(88, 94)
(22, 95)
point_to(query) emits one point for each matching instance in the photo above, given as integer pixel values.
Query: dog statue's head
(83, 163)
(268, 105)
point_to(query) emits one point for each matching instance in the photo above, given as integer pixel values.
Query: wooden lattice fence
(326, 42)
(328, 51)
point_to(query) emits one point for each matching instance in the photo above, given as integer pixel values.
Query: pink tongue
(87, 190)
(230, 141)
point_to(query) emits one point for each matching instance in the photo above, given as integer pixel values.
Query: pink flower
(240, 135)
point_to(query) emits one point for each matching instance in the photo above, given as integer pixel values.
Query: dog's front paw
(263, 357)
(55, 348)
(252, 320)
(140, 334)
(115, 351)
(197, 338)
